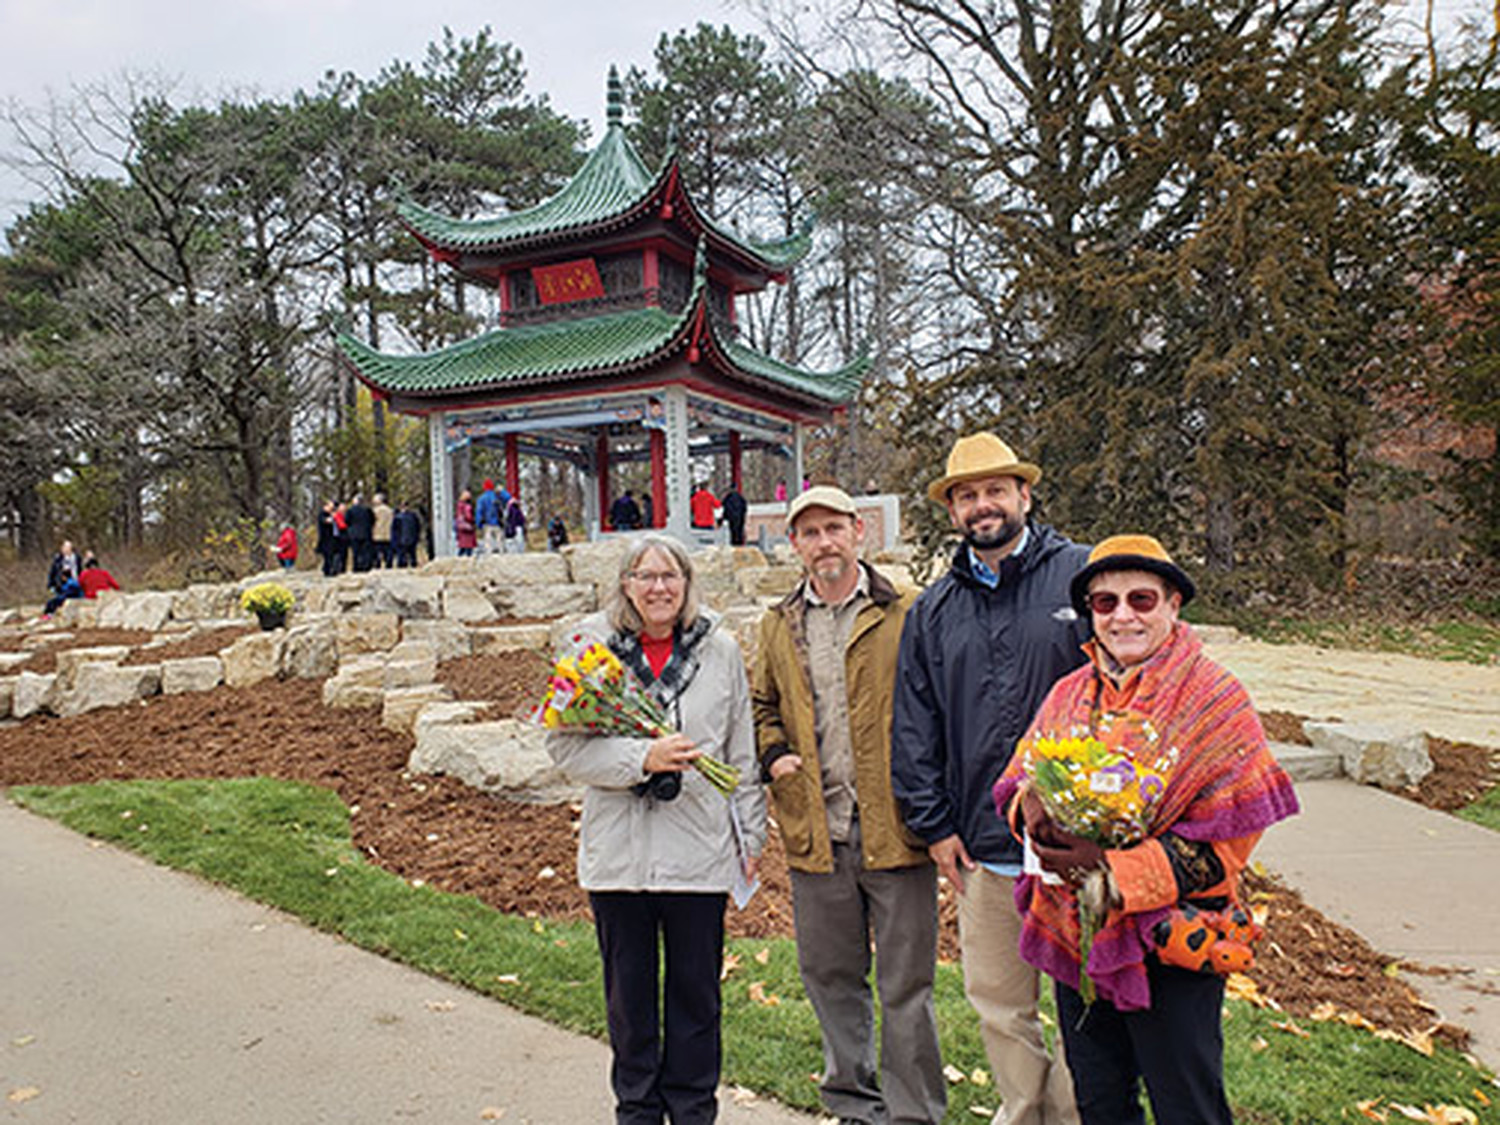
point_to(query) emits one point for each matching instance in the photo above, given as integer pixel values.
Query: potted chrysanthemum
(269, 601)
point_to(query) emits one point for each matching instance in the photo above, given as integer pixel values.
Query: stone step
(1307, 763)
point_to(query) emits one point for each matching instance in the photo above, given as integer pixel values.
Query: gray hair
(621, 612)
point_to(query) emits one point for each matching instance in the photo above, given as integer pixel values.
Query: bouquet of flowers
(1092, 786)
(591, 692)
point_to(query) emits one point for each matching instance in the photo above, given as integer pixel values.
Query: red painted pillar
(504, 287)
(734, 460)
(658, 478)
(651, 277)
(512, 465)
(601, 464)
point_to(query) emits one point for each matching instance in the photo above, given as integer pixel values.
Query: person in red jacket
(95, 578)
(286, 548)
(705, 507)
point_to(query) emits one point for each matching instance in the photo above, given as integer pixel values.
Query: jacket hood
(1041, 545)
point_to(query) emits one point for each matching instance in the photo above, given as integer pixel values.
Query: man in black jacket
(361, 520)
(981, 649)
(406, 533)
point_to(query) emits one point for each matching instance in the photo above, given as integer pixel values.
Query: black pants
(666, 1063)
(1176, 1047)
(385, 554)
(364, 554)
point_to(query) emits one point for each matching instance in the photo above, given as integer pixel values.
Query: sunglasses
(1142, 601)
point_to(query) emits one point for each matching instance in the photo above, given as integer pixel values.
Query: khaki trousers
(1034, 1088)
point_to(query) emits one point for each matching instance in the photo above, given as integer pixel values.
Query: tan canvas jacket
(782, 702)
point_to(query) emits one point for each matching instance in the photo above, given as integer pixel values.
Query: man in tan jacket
(821, 696)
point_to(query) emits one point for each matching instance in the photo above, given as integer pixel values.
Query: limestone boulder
(543, 601)
(406, 595)
(410, 664)
(358, 633)
(147, 611)
(195, 673)
(10, 661)
(98, 685)
(505, 756)
(466, 599)
(32, 694)
(449, 639)
(253, 658)
(7, 690)
(452, 713)
(205, 601)
(311, 649)
(534, 568)
(595, 564)
(769, 581)
(1392, 757)
(112, 607)
(79, 613)
(69, 660)
(400, 707)
(512, 638)
(357, 683)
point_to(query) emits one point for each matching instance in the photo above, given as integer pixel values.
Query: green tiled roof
(560, 350)
(612, 184)
(554, 350)
(613, 181)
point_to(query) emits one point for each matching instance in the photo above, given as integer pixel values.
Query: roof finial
(615, 103)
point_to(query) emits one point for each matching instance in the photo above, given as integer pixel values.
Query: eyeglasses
(1142, 601)
(649, 578)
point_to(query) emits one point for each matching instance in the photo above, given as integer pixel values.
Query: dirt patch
(1461, 774)
(44, 661)
(520, 858)
(209, 642)
(1283, 726)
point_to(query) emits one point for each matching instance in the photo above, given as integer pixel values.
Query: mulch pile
(520, 858)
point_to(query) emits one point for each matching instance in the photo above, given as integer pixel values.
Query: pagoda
(617, 339)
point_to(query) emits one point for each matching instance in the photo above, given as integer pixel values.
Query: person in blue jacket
(487, 518)
(981, 648)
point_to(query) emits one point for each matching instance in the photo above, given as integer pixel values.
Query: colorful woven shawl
(1226, 784)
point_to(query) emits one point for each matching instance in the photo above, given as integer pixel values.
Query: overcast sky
(276, 46)
(273, 47)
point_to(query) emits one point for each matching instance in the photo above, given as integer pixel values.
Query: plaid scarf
(1226, 784)
(680, 668)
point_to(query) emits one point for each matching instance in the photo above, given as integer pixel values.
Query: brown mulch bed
(44, 662)
(454, 838)
(209, 642)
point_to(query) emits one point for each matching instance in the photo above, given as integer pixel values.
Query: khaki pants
(1034, 1088)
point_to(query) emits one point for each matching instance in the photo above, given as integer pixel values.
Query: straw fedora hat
(1129, 552)
(976, 457)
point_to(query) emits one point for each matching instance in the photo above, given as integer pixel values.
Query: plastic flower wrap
(590, 692)
(1101, 784)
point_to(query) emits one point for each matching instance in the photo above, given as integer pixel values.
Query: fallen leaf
(537, 927)
(23, 1094)
(1410, 1112)
(1290, 1026)
(1324, 1012)
(731, 963)
(757, 992)
(441, 1005)
(547, 873)
(561, 943)
(491, 1113)
(1259, 1043)
(981, 1111)
(507, 978)
(23, 1041)
(979, 1076)
(460, 935)
(764, 956)
(1371, 1109)
(1451, 1115)
(742, 1095)
(1393, 969)
(1480, 1097)
(953, 1074)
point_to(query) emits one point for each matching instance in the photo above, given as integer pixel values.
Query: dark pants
(406, 556)
(666, 1063)
(737, 533)
(385, 554)
(1176, 1047)
(70, 589)
(336, 558)
(364, 554)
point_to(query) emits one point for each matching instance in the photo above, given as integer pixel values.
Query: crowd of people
(72, 575)
(359, 536)
(892, 732)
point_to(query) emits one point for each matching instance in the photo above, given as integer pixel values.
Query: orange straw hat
(976, 457)
(1129, 552)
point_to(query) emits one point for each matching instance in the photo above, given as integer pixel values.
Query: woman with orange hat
(1151, 694)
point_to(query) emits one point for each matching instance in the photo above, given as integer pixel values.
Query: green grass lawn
(1464, 641)
(289, 845)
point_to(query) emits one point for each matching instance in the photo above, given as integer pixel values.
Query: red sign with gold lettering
(567, 281)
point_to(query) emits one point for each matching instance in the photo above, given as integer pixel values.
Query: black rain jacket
(975, 665)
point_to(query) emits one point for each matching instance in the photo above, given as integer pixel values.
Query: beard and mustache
(1009, 528)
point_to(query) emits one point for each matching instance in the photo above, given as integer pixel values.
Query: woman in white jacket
(657, 849)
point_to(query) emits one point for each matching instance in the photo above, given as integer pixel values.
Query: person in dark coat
(327, 545)
(734, 515)
(557, 533)
(406, 533)
(66, 567)
(625, 513)
(981, 648)
(360, 519)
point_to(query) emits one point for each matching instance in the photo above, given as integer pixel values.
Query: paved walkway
(135, 995)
